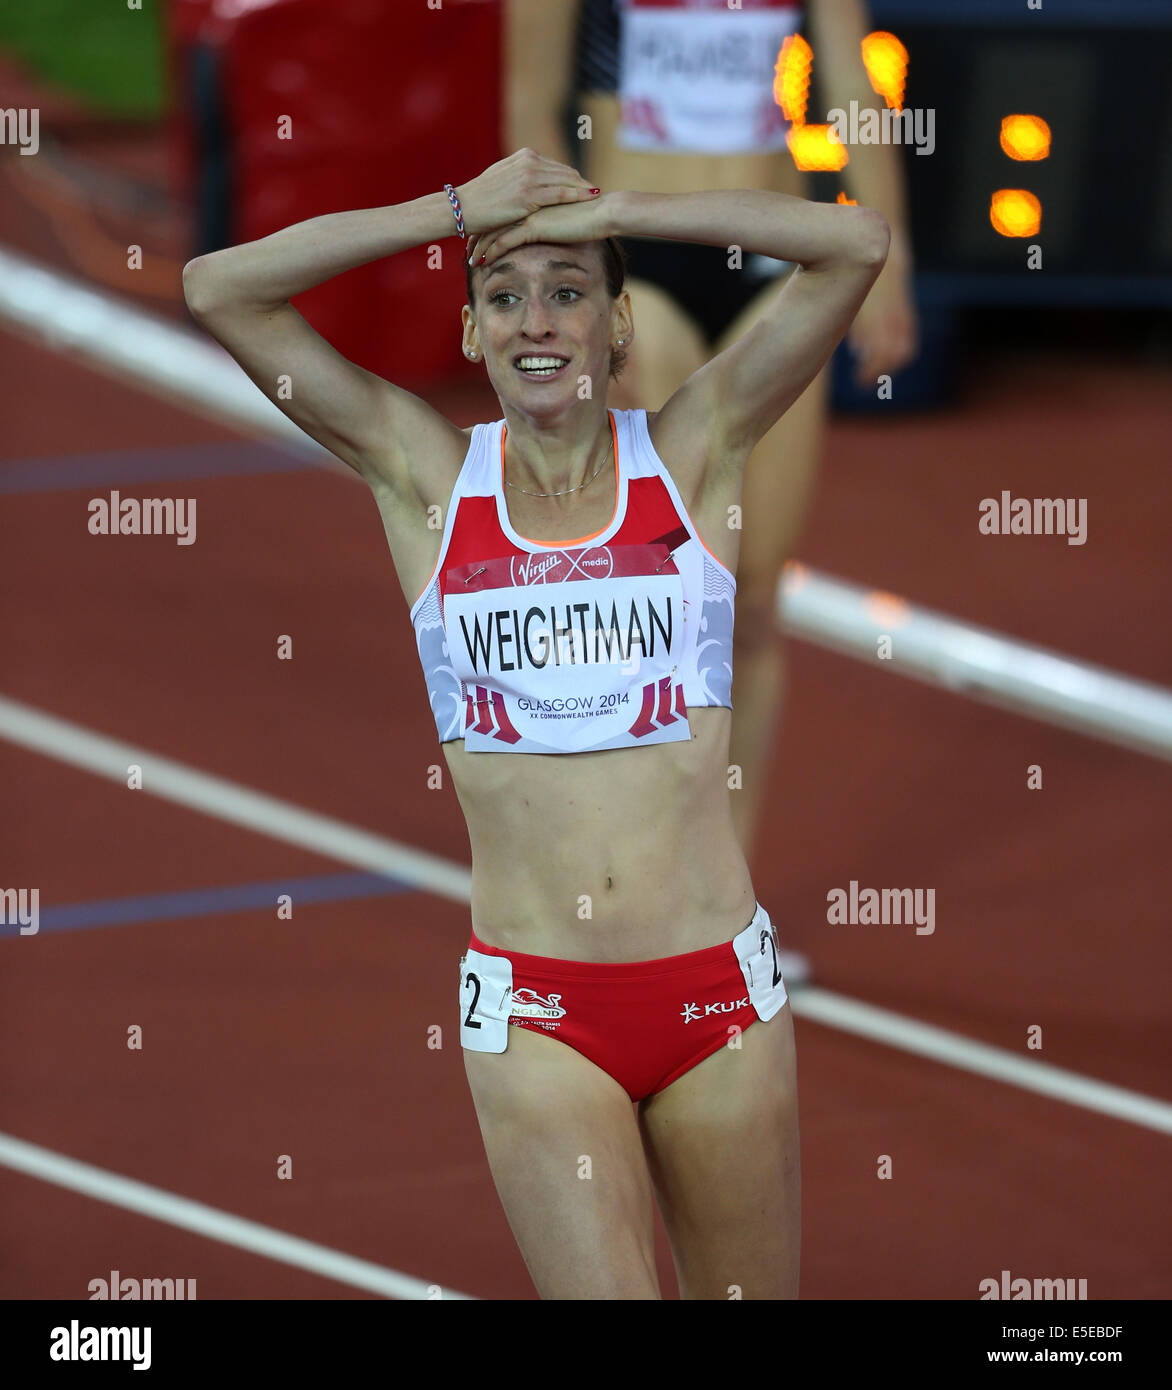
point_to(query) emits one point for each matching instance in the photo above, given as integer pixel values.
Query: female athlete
(624, 1022)
(665, 116)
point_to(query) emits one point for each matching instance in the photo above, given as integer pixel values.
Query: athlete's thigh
(566, 1158)
(667, 348)
(780, 472)
(722, 1146)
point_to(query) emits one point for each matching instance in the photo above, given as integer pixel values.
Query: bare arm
(731, 402)
(726, 406)
(266, 273)
(241, 297)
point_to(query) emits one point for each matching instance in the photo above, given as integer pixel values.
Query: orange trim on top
(578, 540)
(700, 538)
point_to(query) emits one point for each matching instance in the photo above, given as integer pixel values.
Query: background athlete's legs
(544, 1109)
(722, 1145)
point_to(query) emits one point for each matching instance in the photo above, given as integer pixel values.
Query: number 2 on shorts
(470, 1022)
(768, 936)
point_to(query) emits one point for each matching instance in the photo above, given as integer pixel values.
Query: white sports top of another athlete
(697, 75)
(603, 642)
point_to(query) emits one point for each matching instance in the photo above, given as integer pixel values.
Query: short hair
(614, 265)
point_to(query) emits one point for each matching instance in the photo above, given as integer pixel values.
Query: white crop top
(603, 642)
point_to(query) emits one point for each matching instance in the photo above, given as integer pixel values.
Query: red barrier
(330, 105)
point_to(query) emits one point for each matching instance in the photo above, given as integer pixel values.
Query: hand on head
(513, 188)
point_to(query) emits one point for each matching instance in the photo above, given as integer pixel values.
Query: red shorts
(644, 1023)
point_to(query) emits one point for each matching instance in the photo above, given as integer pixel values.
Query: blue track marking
(128, 467)
(210, 902)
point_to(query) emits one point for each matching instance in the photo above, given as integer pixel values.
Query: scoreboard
(1097, 76)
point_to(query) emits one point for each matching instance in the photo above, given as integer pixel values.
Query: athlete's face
(543, 320)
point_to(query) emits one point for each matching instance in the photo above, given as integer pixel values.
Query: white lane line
(976, 661)
(74, 744)
(211, 1222)
(143, 350)
(954, 1050)
(230, 801)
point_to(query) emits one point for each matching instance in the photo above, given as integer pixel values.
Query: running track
(308, 1037)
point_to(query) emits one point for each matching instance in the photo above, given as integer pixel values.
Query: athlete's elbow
(861, 244)
(872, 239)
(212, 284)
(196, 287)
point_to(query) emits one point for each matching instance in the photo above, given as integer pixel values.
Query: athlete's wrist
(620, 211)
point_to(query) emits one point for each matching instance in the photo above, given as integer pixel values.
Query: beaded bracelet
(455, 202)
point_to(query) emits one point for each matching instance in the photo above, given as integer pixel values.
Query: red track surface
(309, 1037)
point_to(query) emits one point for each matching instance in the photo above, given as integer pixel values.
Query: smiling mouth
(542, 364)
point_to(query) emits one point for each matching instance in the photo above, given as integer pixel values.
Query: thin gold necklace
(591, 478)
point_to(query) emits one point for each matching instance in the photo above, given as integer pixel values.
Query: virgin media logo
(596, 563)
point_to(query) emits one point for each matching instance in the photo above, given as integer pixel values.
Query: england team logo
(527, 1003)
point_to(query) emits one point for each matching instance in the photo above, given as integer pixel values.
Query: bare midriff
(613, 168)
(627, 854)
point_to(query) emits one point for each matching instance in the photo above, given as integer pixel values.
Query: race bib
(569, 652)
(702, 79)
(758, 953)
(486, 993)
